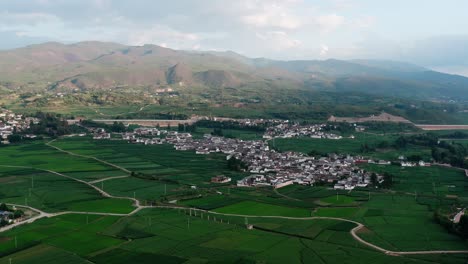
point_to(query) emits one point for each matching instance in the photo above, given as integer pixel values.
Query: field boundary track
(140, 207)
(88, 157)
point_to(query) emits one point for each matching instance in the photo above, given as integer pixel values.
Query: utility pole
(246, 221)
(134, 195)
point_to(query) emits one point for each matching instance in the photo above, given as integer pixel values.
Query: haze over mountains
(91, 66)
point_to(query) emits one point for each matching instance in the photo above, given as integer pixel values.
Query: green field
(350, 146)
(211, 202)
(79, 234)
(399, 222)
(40, 156)
(395, 220)
(435, 180)
(158, 161)
(344, 145)
(338, 200)
(52, 193)
(254, 208)
(172, 236)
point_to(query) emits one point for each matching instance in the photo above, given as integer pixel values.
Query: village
(286, 130)
(11, 123)
(266, 166)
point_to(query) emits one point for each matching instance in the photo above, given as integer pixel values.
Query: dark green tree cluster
(442, 151)
(15, 214)
(52, 125)
(236, 164)
(460, 228)
(187, 128)
(387, 180)
(217, 132)
(389, 127)
(231, 125)
(341, 127)
(366, 148)
(457, 135)
(117, 127)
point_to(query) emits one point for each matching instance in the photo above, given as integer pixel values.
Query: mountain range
(91, 66)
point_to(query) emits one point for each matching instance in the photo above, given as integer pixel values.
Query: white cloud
(281, 29)
(272, 16)
(21, 34)
(323, 50)
(278, 40)
(364, 22)
(30, 19)
(162, 34)
(328, 23)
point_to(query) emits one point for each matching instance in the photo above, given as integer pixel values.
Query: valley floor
(83, 191)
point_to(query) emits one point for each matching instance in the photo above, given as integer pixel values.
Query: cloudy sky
(432, 33)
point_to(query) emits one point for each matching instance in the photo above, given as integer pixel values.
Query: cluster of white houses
(11, 123)
(267, 166)
(286, 130)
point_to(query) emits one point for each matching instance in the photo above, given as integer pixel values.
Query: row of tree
(52, 125)
(231, 125)
(187, 128)
(442, 151)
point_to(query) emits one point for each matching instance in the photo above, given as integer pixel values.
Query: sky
(431, 33)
